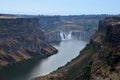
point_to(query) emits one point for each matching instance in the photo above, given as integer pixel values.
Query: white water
(66, 35)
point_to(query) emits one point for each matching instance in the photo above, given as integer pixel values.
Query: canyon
(28, 38)
(21, 39)
(99, 60)
(79, 27)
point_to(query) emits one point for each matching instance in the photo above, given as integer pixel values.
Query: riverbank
(40, 67)
(27, 60)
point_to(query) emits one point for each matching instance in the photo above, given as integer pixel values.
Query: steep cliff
(21, 39)
(86, 24)
(107, 45)
(53, 36)
(99, 60)
(82, 35)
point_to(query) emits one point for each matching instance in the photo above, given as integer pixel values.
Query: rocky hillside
(21, 39)
(99, 60)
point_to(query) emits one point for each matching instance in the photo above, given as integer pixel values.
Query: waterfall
(62, 36)
(66, 35)
(69, 35)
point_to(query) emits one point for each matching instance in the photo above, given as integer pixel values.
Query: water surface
(68, 49)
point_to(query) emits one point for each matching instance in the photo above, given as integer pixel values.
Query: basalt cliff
(99, 60)
(79, 27)
(22, 39)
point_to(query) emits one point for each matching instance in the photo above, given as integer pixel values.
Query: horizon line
(55, 14)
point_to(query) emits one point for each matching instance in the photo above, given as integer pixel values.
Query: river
(68, 49)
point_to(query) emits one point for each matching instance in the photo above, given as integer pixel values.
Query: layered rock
(99, 60)
(67, 34)
(84, 35)
(53, 36)
(86, 24)
(21, 39)
(107, 43)
(48, 23)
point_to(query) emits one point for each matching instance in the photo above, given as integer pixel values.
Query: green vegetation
(87, 71)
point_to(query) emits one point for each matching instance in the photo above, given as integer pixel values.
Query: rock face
(67, 34)
(53, 36)
(21, 39)
(86, 24)
(99, 60)
(48, 22)
(107, 43)
(108, 34)
(84, 35)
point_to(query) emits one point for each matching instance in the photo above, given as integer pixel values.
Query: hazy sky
(60, 7)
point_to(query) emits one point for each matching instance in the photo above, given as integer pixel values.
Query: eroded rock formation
(99, 60)
(22, 39)
(83, 26)
(53, 36)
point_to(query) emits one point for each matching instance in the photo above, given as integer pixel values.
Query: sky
(60, 7)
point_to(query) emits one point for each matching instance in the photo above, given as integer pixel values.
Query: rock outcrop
(86, 24)
(22, 39)
(67, 34)
(82, 35)
(107, 44)
(99, 60)
(53, 36)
